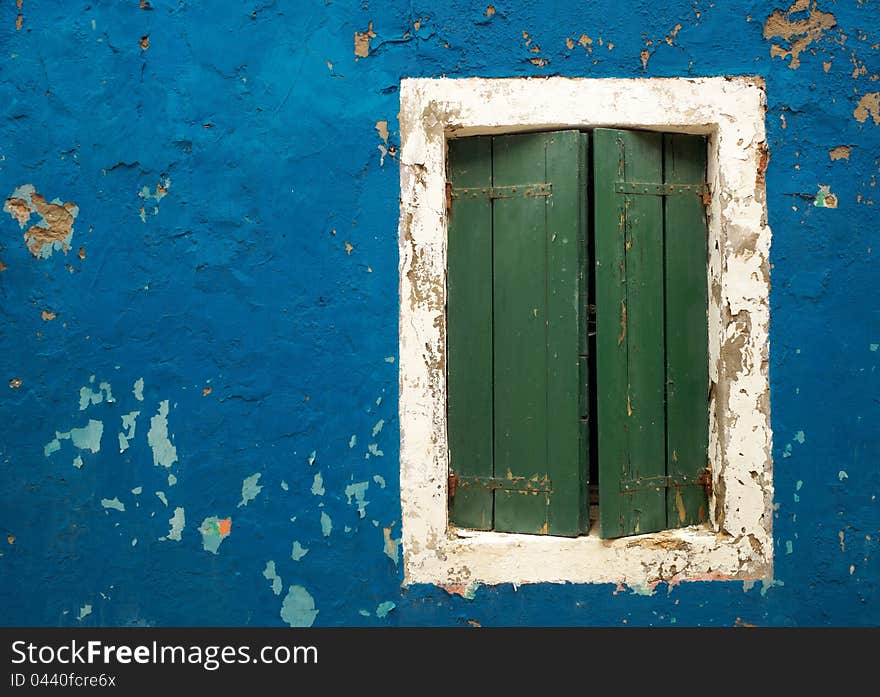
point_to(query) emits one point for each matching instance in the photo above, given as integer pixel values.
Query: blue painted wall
(255, 294)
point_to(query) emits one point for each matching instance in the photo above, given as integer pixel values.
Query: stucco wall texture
(198, 287)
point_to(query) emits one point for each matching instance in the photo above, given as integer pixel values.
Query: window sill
(694, 553)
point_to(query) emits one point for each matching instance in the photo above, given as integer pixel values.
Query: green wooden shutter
(650, 241)
(469, 329)
(536, 200)
(687, 332)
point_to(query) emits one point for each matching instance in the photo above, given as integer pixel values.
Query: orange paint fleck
(224, 527)
(145, 42)
(206, 391)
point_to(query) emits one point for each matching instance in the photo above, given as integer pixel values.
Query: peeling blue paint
(164, 452)
(297, 551)
(270, 574)
(249, 344)
(358, 491)
(298, 609)
(250, 489)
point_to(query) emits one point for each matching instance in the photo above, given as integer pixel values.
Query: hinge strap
(652, 189)
(704, 479)
(492, 192)
(526, 484)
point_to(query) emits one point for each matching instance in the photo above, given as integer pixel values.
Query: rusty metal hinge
(448, 198)
(704, 480)
(653, 189)
(495, 192)
(526, 484)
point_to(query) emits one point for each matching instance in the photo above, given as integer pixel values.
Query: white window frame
(737, 542)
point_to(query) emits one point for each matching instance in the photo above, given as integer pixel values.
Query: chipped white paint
(737, 542)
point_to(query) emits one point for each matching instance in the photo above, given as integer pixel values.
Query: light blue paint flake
(88, 437)
(298, 608)
(164, 453)
(364, 613)
(129, 423)
(798, 485)
(270, 574)
(84, 612)
(789, 548)
(378, 427)
(138, 389)
(172, 480)
(177, 523)
(799, 437)
(352, 441)
(212, 533)
(137, 490)
(78, 462)
(389, 359)
(284, 485)
(312, 457)
(297, 552)
(380, 480)
(787, 451)
(874, 347)
(53, 446)
(374, 449)
(358, 490)
(842, 475)
(326, 524)
(318, 485)
(88, 396)
(382, 609)
(250, 489)
(161, 495)
(114, 503)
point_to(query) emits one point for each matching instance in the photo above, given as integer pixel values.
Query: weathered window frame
(737, 542)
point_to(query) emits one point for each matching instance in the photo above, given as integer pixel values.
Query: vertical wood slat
(687, 338)
(520, 320)
(645, 509)
(629, 324)
(469, 331)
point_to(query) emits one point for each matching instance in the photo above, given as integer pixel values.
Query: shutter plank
(536, 323)
(686, 330)
(520, 313)
(630, 342)
(469, 327)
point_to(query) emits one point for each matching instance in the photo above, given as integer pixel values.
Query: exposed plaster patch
(841, 152)
(297, 551)
(362, 41)
(392, 546)
(737, 541)
(358, 491)
(298, 608)
(249, 489)
(383, 608)
(326, 524)
(164, 452)
(824, 198)
(113, 503)
(87, 396)
(129, 422)
(55, 227)
(797, 33)
(382, 130)
(214, 530)
(138, 389)
(177, 522)
(318, 485)
(270, 574)
(868, 105)
(147, 195)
